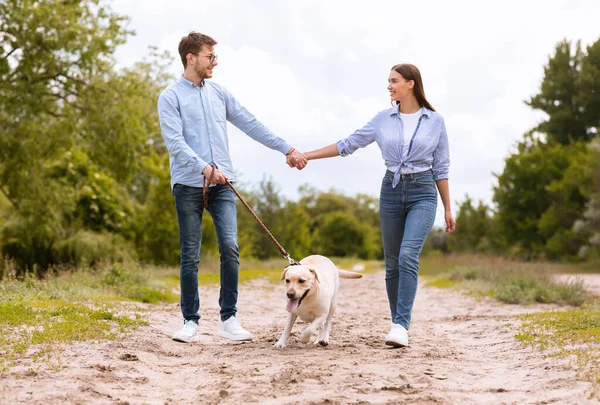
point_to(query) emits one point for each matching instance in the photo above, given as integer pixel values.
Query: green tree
(546, 184)
(476, 230)
(288, 223)
(567, 198)
(340, 235)
(589, 98)
(364, 208)
(559, 96)
(521, 195)
(77, 136)
(540, 194)
(588, 226)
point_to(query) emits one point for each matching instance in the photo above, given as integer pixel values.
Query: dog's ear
(284, 273)
(313, 271)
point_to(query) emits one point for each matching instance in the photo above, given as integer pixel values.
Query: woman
(414, 145)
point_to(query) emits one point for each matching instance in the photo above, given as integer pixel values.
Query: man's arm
(239, 116)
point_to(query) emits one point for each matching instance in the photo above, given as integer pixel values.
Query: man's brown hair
(192, 43)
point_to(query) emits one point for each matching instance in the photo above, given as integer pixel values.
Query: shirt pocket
(219, 111)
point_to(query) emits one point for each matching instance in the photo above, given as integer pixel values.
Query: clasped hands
(296, 159)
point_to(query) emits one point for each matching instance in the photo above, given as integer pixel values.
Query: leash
(206, 183)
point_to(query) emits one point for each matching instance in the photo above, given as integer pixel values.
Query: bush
(86, 248)
(341, 235)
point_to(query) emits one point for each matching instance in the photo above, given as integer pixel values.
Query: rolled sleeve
(441, 156)
(172, 131)
(239, 116)
(359, 139)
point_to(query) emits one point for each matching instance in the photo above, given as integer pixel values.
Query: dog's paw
(280, 345)
(322, 342)
(305, 336)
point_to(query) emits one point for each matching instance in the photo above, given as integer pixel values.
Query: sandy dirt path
(462, 351)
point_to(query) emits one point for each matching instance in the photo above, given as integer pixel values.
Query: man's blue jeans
(406, 213)
(190, 206)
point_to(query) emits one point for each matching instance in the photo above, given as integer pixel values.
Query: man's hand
(217, 178)
(296, 159)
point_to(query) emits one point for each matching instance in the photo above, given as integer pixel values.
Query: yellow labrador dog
(312, 289)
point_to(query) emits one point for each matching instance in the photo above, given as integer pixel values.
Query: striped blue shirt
(427, 150)
(193, 120)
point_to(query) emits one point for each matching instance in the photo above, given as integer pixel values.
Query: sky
(314, 71)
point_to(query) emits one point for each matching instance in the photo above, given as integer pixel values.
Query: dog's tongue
(291, 305)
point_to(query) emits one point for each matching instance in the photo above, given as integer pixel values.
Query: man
(193, 114)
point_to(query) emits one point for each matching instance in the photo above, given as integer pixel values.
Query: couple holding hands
(412, 137)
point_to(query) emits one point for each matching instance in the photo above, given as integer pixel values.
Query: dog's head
(300, 282)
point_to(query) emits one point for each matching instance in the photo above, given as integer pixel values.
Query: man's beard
(202, 73)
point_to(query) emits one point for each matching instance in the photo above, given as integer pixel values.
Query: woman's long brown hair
(411, 72)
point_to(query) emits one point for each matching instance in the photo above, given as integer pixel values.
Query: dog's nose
(290, 294)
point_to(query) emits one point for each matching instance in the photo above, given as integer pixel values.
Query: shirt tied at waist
(398, 171)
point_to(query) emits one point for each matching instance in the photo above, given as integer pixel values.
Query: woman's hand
(450, 222)
(296, 159)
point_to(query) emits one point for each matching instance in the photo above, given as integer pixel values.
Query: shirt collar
(424, 111)
(189, 84)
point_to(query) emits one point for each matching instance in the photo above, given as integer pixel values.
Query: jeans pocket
(387, 179)
(426, 181)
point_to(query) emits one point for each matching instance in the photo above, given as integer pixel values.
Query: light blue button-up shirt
(428, 149)
(193, 120)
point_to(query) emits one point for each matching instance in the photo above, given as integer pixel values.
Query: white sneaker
(231, 329)
(188, 333)
(398, 336)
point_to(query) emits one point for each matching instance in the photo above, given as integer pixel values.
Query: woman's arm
(444, 190)
(325, 152)
(359, 139)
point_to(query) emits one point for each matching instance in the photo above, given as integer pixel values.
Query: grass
(79, 304)
(37, 316)
(572, 334)
(82, 304)
(46, 324)
(508, 281)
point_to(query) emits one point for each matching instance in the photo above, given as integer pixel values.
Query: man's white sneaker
(231, 329)
(398, 336)
(188, 333)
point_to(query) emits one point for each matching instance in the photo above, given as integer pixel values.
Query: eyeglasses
(211, 58)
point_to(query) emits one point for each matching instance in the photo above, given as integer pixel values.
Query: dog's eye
(287, 281)
(301, 281)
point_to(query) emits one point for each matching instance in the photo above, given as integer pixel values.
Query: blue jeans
(221, 205)
(406, 214)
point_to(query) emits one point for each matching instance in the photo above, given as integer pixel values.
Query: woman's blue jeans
(406, 213)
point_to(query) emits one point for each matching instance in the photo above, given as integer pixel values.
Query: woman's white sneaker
(398, 336)
(231, 329)
(188, 333)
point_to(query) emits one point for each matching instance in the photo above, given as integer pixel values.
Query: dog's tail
(349, 274)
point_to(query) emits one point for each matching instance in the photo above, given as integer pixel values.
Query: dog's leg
(312, 328)
(285, 336)
(323, 338)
